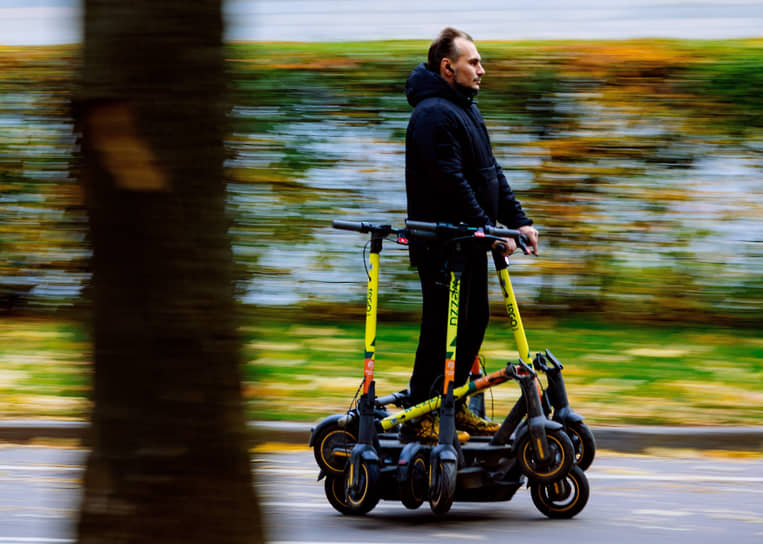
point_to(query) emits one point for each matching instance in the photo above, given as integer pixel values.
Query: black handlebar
(423, 230)
(401, 399)
(363, 226)
(462, 228)
(466, 230)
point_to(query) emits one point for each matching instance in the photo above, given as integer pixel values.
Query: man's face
(467, 69)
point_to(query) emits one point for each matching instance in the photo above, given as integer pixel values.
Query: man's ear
(446, 68)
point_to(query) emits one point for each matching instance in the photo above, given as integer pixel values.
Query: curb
(626, 439)
(639, 439)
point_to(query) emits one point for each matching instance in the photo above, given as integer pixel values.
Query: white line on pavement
(36, 539)
(314, 472)
(688, 478)
(40, 468)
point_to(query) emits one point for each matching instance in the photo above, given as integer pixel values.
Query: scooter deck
(489, 472)
(475, 444)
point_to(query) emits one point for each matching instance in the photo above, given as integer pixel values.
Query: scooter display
(359, 453)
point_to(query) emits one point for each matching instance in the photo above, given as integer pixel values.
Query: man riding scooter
(452, 176)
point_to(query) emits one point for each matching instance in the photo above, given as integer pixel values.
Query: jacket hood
(423, 83)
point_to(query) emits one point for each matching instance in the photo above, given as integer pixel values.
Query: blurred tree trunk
(169, 460)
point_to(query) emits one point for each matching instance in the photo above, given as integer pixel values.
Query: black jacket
(450, 172)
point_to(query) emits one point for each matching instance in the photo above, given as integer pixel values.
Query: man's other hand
(532, 237)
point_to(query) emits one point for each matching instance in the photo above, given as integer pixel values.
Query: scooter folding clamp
(522, 370)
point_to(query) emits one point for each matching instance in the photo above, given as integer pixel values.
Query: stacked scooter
(542, 442)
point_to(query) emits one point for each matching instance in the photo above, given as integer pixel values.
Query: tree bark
(169, 459)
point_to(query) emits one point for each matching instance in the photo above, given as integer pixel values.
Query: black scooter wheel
(562, 499)
(334, 489)
(332, 449)
(413, 491)
(583, 442)
(362, 499)
(442, 486)
(562, 457)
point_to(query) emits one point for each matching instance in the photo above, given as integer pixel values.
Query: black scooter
(528, 445)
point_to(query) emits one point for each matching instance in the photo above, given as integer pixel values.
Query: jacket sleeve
(441, 153)
(510, 211)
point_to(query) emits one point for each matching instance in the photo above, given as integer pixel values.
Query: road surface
(634, 499)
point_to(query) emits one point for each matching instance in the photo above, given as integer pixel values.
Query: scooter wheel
(368, 492)
(442, 486)
(562, 499)
(334, 489)
(332, 449)
(413, 491)
(583, 442)
(562, 457)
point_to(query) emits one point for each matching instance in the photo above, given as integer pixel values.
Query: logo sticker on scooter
(512, 316)
(369, 300)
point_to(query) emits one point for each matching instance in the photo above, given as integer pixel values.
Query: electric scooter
(362, 472)
(479, 470)
(555, 405)
(543, 452)
(555, 395)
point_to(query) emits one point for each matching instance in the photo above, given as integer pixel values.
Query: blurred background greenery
(639, 161)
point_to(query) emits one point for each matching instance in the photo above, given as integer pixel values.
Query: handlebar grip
(503, 233)
(421, 225)
(415, 234)
(387, 399)
(347, 225)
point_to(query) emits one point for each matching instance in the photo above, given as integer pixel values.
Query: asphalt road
(634, 499)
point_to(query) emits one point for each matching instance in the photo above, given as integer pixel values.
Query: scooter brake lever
(554, 360)
(522, 242)
(539, 362)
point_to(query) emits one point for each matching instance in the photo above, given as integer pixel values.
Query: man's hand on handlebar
(532, 237)
(505, 247)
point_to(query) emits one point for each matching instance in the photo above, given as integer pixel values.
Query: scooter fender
(443, 453)
(330, 420)
(567, 415)
(364, 452)
(361, 453)
(537, 427)
(405, 460)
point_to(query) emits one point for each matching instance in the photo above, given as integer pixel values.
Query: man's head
(454, 56)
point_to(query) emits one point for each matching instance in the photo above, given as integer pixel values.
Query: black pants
(474, 313)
